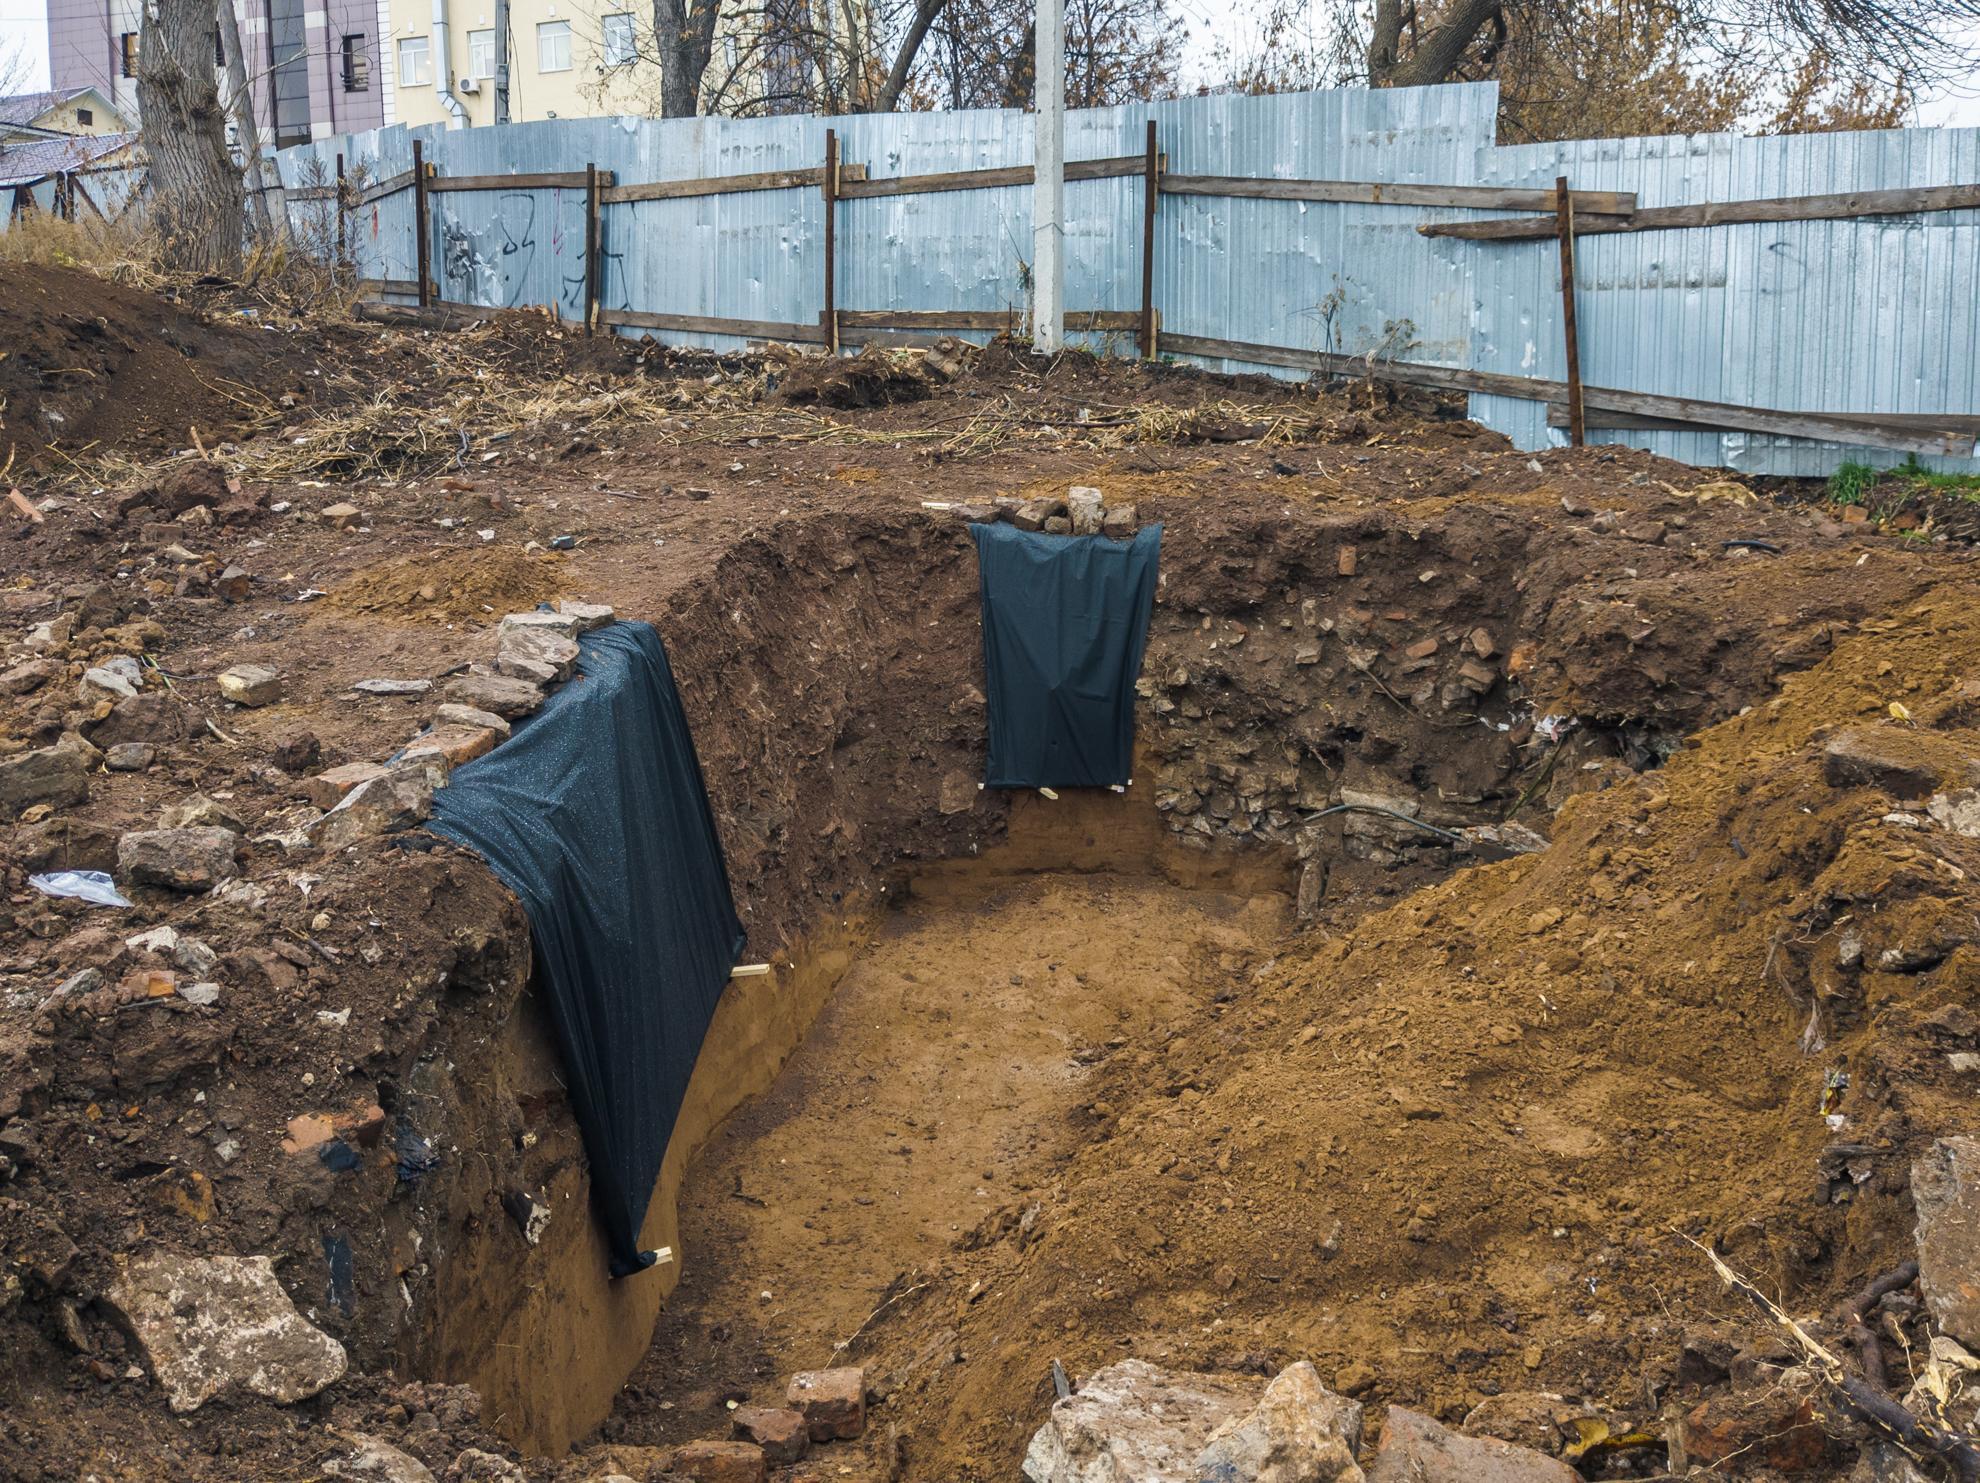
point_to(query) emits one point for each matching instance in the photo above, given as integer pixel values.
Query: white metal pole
(1048, 267)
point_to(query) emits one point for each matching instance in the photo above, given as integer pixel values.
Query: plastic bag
(85, 885)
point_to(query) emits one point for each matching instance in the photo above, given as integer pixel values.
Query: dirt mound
(464, 585)
(873, 378)
(90, 361)
(1450, 1151)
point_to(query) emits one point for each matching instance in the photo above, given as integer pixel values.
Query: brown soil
(92, 362)
(953, 1056)
(1601, 1040)
(467, 585)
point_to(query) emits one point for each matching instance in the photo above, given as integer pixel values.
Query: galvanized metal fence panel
(1866, 314)
(1861, 315)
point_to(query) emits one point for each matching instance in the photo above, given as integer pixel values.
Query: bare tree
(195, 186)
(246, 132)
(1117, 51)
(1574, 69)
(14, 68)
(683, 40)
(754, 57)
(1887, 44)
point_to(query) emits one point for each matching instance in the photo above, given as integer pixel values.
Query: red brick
(720, 1462)
(327, 789)
(1772, 1427)
(780, 1432)
(832, 1402)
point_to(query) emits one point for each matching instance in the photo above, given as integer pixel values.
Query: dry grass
(123, 250)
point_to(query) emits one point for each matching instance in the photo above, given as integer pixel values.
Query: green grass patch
(1860, 484)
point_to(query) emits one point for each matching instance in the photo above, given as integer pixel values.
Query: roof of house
(25, 108)
(23, 162)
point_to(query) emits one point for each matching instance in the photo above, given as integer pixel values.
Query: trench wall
(831, 667)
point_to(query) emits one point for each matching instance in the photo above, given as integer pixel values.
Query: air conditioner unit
(470, 84)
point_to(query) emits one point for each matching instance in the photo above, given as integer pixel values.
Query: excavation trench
(966, 988)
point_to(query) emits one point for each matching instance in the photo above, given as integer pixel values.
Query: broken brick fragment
(832, 1402)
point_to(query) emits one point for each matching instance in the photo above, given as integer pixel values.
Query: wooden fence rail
(1559, 213)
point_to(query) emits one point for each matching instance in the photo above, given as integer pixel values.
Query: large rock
(213, 1324)
(183, 859)
(1416, 1449)
(200, 812)
(396, 799)
(1083, 508)
(1883, 758)
(452, 714)
(55, 775)
(153, 717)
(505, 695)
(527, 650)
(251, 685)
(1945, 1188)
(378, 1462)
(1134, 1421)
(1299, 1432)
(561, 623)
(589, 615)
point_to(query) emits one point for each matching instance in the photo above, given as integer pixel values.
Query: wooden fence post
(1151, 185)
(421, 249)
(590, 246)
(1564, 225)
(828, 189)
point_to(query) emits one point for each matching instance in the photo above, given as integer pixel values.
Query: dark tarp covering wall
(1065, 621)
(594, 813)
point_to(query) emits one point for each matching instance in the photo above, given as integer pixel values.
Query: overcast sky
(24, 35)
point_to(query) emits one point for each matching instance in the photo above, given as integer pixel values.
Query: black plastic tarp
(1065, 622)
(594, 813)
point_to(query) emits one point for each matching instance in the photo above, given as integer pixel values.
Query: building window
(620, 46)
(357, 65)
(219, 49)
(414, 71)
(85, 117)
(553, 46)
(481, 54)
(127, 53)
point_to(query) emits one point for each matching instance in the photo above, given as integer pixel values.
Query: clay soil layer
(953, 1063)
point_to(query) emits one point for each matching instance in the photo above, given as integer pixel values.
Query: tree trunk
(925, 12)
(684, 37)
(1432, 59)
(241, 105)
(196, 202)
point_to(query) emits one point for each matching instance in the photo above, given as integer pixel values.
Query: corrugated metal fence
(1869, 315)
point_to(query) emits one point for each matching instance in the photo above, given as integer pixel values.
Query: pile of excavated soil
(89, 361)
(1453, 1150)
(466, 585)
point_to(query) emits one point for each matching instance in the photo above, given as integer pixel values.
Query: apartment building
(584, 58)
(313, 65)
(323, 67)
(566, 60)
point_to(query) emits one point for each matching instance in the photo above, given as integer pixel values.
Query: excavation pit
(1333, 1090)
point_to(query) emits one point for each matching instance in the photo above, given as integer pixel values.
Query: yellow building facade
(565, 61)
